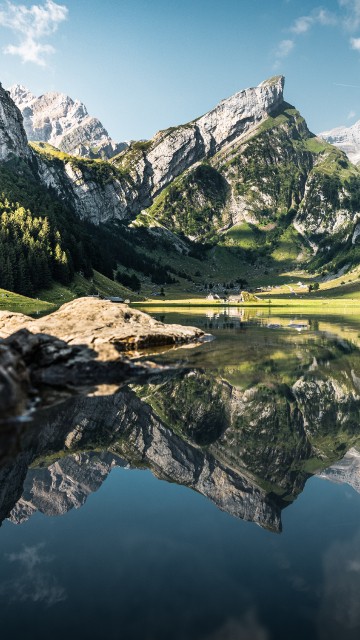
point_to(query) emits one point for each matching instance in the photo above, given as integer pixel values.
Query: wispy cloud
(31, 25)
(302, 25)
(34, 584)
(282, 51)
(351, 19)
(247, 627)
(318, 16)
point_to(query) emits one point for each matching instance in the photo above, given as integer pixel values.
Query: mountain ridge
(248, 171)
(64, 123)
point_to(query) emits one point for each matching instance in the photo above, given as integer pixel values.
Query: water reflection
(253, 415)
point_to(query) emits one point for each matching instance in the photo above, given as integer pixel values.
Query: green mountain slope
(281, 193)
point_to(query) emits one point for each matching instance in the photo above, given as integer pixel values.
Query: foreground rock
(76, 349)
(105, 327)
(38, 369)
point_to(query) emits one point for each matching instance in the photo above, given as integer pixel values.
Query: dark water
(221, 503)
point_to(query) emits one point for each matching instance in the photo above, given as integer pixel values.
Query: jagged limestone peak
(64, 123)
(20, 94)
(345, 138)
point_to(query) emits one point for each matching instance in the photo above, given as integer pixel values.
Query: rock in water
(105, 327)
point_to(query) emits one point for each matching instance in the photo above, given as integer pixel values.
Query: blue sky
(143, 65)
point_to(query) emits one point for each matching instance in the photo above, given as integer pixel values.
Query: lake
(221, 502)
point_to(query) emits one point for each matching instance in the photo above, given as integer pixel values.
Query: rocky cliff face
(64, 123)
(278, 174)
(63, 485)
(13, 141)
(345, 471)
(156, 163)
(345, 138)
(138, 174)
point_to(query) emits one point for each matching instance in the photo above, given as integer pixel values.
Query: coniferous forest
(43, 240)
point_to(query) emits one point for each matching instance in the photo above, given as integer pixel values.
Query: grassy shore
(306, 305)
(10, 301)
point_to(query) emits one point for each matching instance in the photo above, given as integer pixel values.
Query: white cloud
(284, 48)
(352, 17)
(31, 25)
(33, 583)
(302, 25)
(355, 43)
(247, 627)
(282, 51)
(351, 86)
(351, 115)
(318, 16)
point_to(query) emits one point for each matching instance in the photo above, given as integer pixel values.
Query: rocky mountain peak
(234, 116)
(13, 139)
(20, 94)
(64, 123)
(174, 150)
(345, 138)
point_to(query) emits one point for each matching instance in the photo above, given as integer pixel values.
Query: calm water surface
(221, 503)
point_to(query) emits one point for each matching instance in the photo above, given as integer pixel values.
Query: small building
(114, 299)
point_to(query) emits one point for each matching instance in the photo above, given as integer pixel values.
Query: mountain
(246, 186)
(345, 471)
(64, 123)
(345, 138)
(64, 485)
(251, 160)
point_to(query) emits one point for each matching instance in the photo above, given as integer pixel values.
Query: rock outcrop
(64, 123)
(107, 328)
(75, 349)
(13, 141)
(345, 138)
(37, 369)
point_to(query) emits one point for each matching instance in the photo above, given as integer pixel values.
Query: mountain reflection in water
(252, 416)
